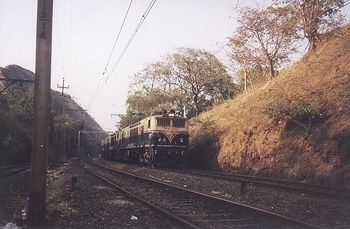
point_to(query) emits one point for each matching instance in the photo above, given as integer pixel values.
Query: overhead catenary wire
(221, 48)
(110, 56)
(149, 8)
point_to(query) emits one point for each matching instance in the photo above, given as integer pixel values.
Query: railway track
(326, 191)
(193, 209)
(12, 170)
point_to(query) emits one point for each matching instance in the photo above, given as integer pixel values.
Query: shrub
(296, 111)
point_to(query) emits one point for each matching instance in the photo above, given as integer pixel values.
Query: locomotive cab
(168, 139)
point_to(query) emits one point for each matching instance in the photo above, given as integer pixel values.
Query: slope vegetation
(69, 122)
(296, 126)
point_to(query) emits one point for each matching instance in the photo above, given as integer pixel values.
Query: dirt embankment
(296, 126)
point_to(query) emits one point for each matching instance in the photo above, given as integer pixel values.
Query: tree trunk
(245, 81)
(271, 73)
(195, 101)
(312, 43)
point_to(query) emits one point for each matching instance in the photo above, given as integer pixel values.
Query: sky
(85, 32)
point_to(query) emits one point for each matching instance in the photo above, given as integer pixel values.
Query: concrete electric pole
(42, 100)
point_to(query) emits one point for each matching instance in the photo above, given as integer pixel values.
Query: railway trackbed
(325, 191)
(192, 209)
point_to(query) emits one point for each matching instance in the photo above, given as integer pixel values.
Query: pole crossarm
(63, 87)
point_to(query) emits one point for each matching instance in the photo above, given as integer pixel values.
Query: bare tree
(315, 16)
(264, 37)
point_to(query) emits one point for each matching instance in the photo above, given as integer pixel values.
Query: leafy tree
(21, 101)
(264, 38)
(201, 78)
(154, 76)
(153, 90)
(192, 78)
(3, 103)
(140, 105)
(63, 134)
(14, 125)
(315, 16)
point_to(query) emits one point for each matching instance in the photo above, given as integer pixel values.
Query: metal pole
(78, 154)
(42, 100)
(63, 127)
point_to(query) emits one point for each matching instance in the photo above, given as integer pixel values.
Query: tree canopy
(188, 81)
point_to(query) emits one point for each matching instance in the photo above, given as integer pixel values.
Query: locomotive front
(168, 140)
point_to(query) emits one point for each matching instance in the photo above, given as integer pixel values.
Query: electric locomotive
(156, 140)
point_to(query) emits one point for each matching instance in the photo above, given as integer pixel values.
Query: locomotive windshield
(163, 122)
(171, 122)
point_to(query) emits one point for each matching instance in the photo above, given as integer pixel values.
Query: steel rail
(341, 193)
(276, 218)
(176, 220)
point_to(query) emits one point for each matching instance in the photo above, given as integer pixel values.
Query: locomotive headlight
(181, 140)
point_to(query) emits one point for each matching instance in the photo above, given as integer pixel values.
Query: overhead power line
(143, 18)
(150, 6)
(127, 12)
(221, 48)
(110, 56)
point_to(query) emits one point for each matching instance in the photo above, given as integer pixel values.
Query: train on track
(160, 140)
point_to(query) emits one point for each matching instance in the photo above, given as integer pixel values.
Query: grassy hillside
(297, 126)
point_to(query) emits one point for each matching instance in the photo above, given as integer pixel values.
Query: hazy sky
(84, 33)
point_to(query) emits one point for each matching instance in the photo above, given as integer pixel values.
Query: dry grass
(296, 126)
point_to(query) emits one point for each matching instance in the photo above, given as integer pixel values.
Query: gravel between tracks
(93, 204)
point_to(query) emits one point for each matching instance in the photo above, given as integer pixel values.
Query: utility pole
(42, 100)
(63, 87)
(63, 127)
